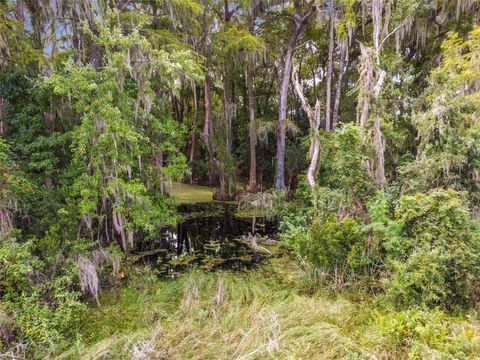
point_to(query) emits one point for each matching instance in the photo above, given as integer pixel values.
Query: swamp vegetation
(239, 179)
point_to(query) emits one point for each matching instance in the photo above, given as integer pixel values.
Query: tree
(120, 127)
(447, 120)
(300, 22)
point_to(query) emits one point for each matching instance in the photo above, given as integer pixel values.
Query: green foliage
(42, 324)
(447, 122)
(384, 228)
(293, 231)
(342, 168)
(427, 332)
(122, 126)
(237, 45)
(37, 144)
(18, 264)
(424, 247)
(438, 263)
(13, 189)
(42, 305)
(329, 236)
(334, 244)
(100, 103)
(335, 249)
(36, 139)
(15, 47)
(266, 306)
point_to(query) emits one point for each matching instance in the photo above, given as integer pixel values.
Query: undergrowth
(270, 312)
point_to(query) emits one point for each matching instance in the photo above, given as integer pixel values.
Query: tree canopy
(356, 122)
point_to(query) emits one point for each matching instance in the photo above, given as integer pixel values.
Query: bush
(342, 168)
(41, 323)
(438, 262)
(334, 248)
(39, 300)
(293, 231)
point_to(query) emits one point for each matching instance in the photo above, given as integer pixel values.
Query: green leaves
(124, 132)
(441, 262)
(237, 44)
(447, 120)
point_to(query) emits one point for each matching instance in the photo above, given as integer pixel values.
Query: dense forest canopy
(354, 122)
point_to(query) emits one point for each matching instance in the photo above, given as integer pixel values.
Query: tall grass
(270, 312)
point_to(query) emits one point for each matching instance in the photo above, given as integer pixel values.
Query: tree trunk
(342, 67)
(379, 148)
(228, 106)
(207, 129)
(300, 24)
(195, 122)
(314, 118)
(20, 12)
(3, 102)
(207, 138)
(159, 165)
(378, 140)
(314, 157)
(252, 180)
(227, 183)
(34, 8)
(176, 109)
(331, 42)
(92, 53)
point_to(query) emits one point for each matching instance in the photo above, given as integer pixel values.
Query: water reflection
(209, 237)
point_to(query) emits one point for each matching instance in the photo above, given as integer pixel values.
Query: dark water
(210, 237)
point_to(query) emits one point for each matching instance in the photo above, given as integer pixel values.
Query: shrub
(42, 323)
(293, 231)
(334, 248)
(39, 300)
(16, 266)
(342, 167)
(438, 262)
(427, 334)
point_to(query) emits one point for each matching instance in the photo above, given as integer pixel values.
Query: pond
(210, 236)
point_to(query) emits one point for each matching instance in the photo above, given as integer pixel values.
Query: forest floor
(269, 312)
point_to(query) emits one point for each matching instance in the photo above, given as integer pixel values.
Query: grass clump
(270, 312)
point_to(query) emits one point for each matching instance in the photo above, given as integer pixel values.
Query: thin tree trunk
(379, 148)
(92, 53)
(342, 67)
(159, 165)
(252, 180)
(312, 168)
(228, 106)
(207, 129)
(195, 122)
(378, 139)
(227, 185)
(176, 109)
(3, 102)
(34, 8)
(20, 12)
(331, 42)
(314, 118)
(208, 135)
(282, 115)
(300, 24)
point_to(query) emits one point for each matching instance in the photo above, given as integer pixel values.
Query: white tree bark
(314, 118)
